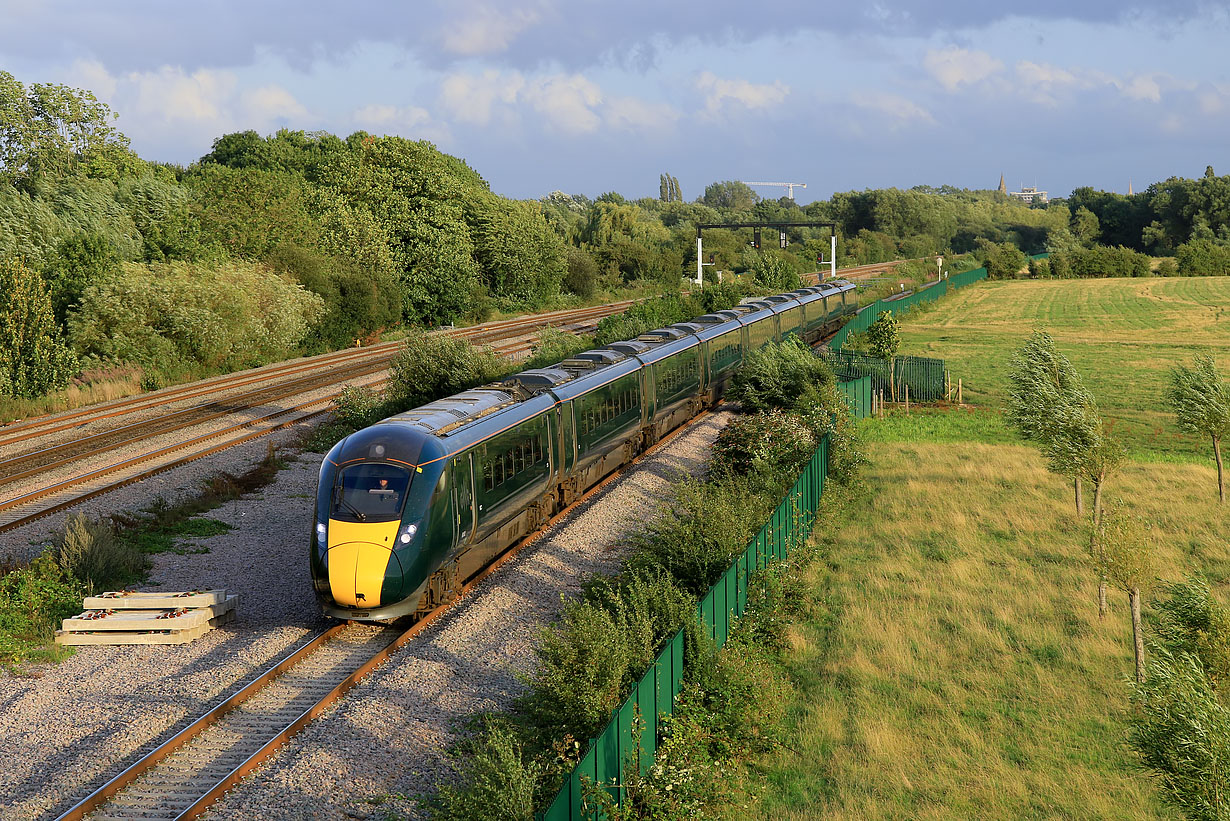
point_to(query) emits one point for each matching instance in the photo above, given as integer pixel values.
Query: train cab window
(370, 492)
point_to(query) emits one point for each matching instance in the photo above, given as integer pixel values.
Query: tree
(731, 195)
(79, 261)
(668, 189)
(1042, 382)
(884, 336)
(1002, 260)
(1181, 725)
(1201, 402)
(1085, 225)
(33, 358)
(1121, 548)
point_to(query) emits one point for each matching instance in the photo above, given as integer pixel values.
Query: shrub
(603, 643)
(500, 781)
(89, 551)
(1002, 260)
(176, 315)
(33, 600)
(1167, 267)
(683, 541)
(554, 346)
(359, 406)
(1203, 258)
(581, 278)
(33, 357)
(768, 442)
(777, 375)
(436, 365)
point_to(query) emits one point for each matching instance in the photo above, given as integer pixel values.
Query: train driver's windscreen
(370, 492)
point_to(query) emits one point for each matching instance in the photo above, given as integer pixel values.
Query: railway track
(184, 775)
(174, 438)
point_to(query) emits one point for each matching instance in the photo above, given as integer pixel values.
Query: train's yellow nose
(359, 555)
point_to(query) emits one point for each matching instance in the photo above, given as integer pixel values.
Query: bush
(777, 375)
(603, 643)
(1203, 258)
(33, 358)
(1100, 261)
(181, 315)
(1002, 260)
(771, 442)
(33, 600)
(554, 346)
(1167, 267)
(500, 781)
(89, 551)
(435, 365)
(359, 406)
(581, 277)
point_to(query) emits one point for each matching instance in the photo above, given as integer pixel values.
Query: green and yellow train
(411, 507)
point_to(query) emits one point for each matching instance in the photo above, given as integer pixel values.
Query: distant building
(1029, 195)
(1003, 189)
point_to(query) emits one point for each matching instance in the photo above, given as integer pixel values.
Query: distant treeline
(270, 246)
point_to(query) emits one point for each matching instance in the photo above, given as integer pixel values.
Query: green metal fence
(631, 737)
(923, 375)
(858, 392)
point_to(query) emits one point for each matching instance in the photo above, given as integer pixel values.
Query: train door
(463, 499)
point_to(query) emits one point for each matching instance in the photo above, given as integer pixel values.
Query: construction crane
(789, 186)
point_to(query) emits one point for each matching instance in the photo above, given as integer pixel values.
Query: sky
(586, 97)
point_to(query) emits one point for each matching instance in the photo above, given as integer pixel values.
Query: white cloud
(898, 109)
(271, 103)
(92, 75)
(477, 29)
(469, 98)
(718, 92)
(172, 96)
(954, 67)
(566, 101)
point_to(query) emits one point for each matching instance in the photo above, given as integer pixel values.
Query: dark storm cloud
(143, 34)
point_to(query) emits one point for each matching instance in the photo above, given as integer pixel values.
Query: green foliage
(884, 336)
(1101, 261)
(521, 259)
(50, 130)
(657, 312)
(79, 260)
(554, 346)
(249, 212)
(777, 375)
(357, 304)
(1002, 260)
(1203, 258)
(774, 272)
(435, 365)
(602, 644)
(89, 551)
(1181, 728)
(730, 195)
(33, 358)
(683, 541)
(33, 600)
(162, 214)
(1167, 267)
(176, 315)
(1122, 547)
(1200, 397)
(500, 781)
(769, 442)
(581, 278)
(358, 406)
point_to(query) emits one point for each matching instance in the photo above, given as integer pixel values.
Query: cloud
(142, 35)
(899, 110)
(954, 67)
(469, 98)
(719, 93)
(566, 102)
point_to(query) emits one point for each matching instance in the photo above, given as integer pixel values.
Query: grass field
(953, 664)
(1121, 334)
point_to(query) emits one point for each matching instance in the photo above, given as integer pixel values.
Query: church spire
(1130, 191)
(1003, 189)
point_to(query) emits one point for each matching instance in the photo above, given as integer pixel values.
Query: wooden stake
(960, 401)
(907, 398)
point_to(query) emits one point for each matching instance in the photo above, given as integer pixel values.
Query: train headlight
(322, 534)
(407, 533)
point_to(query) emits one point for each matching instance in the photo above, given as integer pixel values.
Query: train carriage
(409, 508)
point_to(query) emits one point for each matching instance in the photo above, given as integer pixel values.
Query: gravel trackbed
(69, 727)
